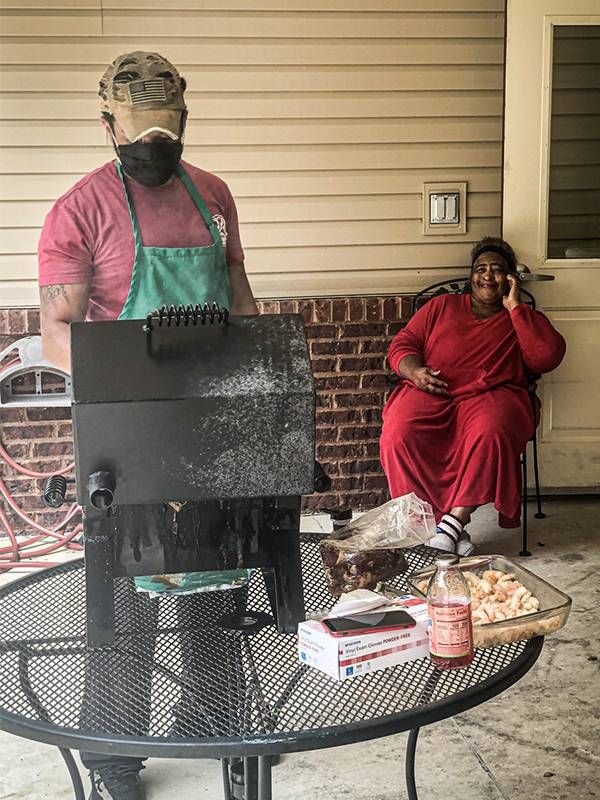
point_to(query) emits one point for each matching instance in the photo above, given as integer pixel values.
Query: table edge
(271, 744)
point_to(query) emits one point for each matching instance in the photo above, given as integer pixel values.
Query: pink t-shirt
(88, 235)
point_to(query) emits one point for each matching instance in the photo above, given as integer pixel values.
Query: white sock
(450, 526)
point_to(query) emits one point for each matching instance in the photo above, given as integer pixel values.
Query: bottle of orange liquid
(449, 607)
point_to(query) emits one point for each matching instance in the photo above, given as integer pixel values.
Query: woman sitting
(454, 429)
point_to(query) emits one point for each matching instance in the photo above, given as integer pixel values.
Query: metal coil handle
(55, 489)
(175, 316)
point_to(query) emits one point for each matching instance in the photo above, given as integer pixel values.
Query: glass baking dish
(553, 613)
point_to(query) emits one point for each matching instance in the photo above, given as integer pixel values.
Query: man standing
(142, 231)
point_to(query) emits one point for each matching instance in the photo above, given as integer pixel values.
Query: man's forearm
(56, 344)
(242, 299)
(60, 305)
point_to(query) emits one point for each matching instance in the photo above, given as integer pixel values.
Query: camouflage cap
(144, 92)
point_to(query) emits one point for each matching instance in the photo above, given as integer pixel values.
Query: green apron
(176, 275)
(180, 276)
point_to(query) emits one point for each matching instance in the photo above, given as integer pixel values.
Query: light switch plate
(444, 208)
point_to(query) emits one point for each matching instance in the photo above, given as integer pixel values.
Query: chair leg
(524, 551)
(539, 514)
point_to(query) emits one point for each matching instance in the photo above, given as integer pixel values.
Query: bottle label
(451, 632)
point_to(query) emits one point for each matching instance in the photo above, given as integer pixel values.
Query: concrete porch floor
(540, 740)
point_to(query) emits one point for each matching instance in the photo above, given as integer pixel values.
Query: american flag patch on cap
(151, 90)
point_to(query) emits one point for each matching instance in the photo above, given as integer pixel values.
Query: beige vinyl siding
(325, 118)
(574, 207)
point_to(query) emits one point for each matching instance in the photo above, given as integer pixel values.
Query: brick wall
(348, 340)
(38, 438)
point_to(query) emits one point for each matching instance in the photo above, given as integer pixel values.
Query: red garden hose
(30, 473)
(18, 553)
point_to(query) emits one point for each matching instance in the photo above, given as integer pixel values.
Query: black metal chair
(463, 286)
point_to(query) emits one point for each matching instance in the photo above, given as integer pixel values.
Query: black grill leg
(99, 590)
(524, 551)
(411, 749)
(284, 585)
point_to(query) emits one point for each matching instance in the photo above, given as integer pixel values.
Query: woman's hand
(426, 379)
(511, 300)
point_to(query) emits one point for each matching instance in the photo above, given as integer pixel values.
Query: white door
(551, 213)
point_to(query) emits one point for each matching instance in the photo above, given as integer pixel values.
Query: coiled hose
(19, 554)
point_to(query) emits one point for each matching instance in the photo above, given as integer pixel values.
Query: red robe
(463, 450)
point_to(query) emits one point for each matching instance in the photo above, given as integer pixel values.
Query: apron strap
(134, 223)
(200, 205)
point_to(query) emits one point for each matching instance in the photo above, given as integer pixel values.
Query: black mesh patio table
(178, 684)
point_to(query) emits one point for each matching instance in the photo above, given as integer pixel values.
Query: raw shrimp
(495, 596)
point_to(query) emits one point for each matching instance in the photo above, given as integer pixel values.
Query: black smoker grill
(194, 441)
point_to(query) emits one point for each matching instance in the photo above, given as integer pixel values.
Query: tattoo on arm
(51, 293)
(64, 302)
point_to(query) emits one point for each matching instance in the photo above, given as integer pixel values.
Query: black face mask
(152, 163)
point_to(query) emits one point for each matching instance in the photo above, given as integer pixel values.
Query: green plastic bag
(193, 582)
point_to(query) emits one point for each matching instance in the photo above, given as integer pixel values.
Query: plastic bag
(369, 550)
(193, 582)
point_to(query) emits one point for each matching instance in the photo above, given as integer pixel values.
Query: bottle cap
(446, 560)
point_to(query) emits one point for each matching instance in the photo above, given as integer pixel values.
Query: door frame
(573, 298)
(526, 123)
